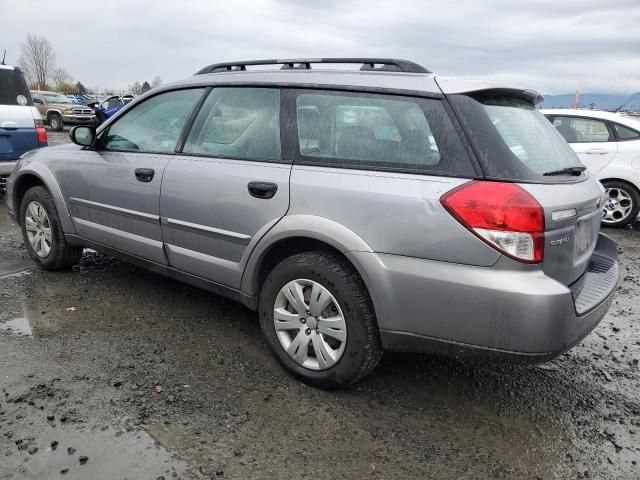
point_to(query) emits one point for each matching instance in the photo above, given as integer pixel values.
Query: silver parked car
(355, 211)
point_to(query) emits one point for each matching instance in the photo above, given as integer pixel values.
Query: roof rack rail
(368, 64)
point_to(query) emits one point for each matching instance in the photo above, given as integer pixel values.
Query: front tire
(42, 233)
(318, 319)
(622, 204)
(55, 121)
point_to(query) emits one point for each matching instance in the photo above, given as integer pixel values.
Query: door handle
(263, 190)
(144, 174)
(597, 151)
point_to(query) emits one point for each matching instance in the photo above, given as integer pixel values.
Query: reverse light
(41, 132)
(503, 215)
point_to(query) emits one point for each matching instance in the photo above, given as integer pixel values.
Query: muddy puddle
(17, 326)
(99, 454)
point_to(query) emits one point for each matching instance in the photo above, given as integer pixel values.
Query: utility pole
(576, 100)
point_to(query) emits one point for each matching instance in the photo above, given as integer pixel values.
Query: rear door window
(582, 130)
(378, 132)
(234, 122)
(13, 88)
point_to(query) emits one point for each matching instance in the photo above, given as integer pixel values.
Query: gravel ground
(111, 372)
(58, 138)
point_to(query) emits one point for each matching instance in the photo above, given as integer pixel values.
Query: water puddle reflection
(17, 326)
(98, 454)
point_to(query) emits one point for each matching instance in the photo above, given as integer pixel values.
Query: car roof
(320, 77)
(601, 114)
(424, 83)
(379, 74)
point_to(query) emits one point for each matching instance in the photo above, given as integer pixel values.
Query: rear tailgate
(17, 131)
(572, 224)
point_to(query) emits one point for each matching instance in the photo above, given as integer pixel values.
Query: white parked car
(608, 144)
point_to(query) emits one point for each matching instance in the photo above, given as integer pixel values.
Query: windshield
(56, 98)
(529, 135)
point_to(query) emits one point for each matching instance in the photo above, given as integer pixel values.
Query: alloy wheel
(310, 324)
(38, 227)
(618, 205)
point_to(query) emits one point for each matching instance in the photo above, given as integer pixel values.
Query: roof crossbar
(368, 64)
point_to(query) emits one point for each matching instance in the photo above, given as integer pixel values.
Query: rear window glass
(528, 135)
(13, 88)
(380, 133)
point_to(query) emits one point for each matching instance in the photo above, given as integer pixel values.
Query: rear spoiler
(452, 86)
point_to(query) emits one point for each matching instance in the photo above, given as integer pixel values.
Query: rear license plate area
(586, 232)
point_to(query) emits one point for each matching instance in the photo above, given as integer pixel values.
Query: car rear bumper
(6, 167)
(444, 308)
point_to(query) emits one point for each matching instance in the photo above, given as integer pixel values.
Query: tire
(622, 204)
(358, 354)
(60, 254)
(55, 121)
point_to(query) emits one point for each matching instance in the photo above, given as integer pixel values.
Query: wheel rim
(617, 206)
(38, 228)
(54, 122)
(310, 324)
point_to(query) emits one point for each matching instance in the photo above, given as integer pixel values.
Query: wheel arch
(53, 110)
(296, 234)
(38, 175)
(622, 180)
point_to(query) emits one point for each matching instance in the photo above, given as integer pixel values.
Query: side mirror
(83, 135)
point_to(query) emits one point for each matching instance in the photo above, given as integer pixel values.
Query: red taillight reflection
(41, 132)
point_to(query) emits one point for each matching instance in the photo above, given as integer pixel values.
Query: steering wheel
(158, 139)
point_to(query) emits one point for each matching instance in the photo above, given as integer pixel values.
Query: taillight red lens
(504, 215)
(41, 132)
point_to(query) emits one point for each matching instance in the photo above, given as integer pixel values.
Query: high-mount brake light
(504, 215)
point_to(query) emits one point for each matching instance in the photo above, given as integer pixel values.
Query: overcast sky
(552, 46)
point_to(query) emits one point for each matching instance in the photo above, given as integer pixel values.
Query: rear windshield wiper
(575, 171)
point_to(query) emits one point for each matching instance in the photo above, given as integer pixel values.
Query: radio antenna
(4, 56)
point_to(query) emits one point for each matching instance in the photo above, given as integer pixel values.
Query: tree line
(38, 62)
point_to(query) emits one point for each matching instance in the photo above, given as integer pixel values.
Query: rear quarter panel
(392, 213)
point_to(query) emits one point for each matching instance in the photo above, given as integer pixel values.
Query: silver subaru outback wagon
(357, 211)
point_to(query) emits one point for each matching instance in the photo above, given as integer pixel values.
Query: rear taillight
(504, 215)
(41, 132)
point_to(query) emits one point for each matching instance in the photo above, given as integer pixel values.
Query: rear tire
(55, 121)
(622, 203)
(341, 362)
(42, 233)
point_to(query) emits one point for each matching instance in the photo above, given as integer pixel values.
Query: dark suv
(356, 211)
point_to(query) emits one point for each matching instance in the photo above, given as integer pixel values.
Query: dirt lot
(149, 379)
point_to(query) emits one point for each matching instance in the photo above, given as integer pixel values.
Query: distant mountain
(599, 100)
